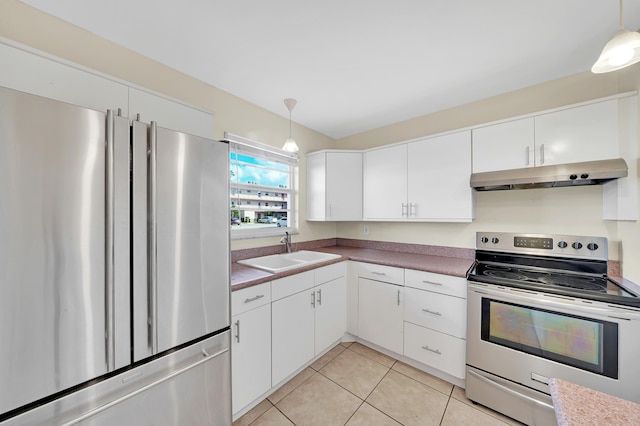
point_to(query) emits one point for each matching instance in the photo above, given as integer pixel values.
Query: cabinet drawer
(437, 311)
(330, 272)
(445, 284)
(437, 350)
(293, 284)
(388, 274)
(250, 298)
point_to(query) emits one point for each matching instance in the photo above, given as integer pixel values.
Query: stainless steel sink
(283, 262)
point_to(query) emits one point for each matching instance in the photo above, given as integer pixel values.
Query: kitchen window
(261, 188)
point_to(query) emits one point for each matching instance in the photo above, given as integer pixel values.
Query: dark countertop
(578, 405)
(244, 276)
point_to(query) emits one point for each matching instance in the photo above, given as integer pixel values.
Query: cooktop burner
(580, 282)
(568, 265)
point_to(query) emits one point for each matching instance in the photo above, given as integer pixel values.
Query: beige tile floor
(354, 385)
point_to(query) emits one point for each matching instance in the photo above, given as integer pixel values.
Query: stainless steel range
(542, 306)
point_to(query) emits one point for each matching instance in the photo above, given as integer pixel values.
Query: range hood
(573, 174)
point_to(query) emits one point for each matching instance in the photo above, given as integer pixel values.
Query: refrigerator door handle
(152, 247)
(130, 395)
(109, 242)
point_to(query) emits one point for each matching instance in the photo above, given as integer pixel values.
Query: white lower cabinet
(251, 356)
(435, 321)
(380, 313)
(308, 321)
(292, 334)
(330, 313)
(250, 344)
(438, 350)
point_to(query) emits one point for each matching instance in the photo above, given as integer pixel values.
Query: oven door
(519, 339)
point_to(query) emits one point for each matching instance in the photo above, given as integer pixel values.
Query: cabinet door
(385, 183)
(344, 186)
(316, 186)
(438, 178)
(251, 356)
(330, 313)
(573, 135)
(380, 314)
(292, 334)
(504, 146)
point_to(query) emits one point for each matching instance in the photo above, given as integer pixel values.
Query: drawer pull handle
(432, 312)
(378, 273)
(253, 299)
(435, 351)
(431, 282)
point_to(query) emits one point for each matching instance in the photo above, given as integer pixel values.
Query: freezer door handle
(109, 244)
(111, 404)
(152, 247)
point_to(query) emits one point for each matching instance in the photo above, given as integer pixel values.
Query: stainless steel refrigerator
(114, 269)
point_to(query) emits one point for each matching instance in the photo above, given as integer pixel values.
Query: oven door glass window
(586, 343)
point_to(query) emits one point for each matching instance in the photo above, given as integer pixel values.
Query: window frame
(244, 146)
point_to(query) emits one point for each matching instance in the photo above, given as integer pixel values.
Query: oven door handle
(525, 296)
(507, 390)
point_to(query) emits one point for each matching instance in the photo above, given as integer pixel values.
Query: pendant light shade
(290, 144)
(621, 51)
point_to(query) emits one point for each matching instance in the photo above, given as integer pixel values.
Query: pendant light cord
(621, 25)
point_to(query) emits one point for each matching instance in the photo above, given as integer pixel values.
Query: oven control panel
(572, 246)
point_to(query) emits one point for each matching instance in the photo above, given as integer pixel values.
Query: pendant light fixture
(290, 144)
(621, 51)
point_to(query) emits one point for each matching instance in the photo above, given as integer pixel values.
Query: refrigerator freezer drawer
(191, 386)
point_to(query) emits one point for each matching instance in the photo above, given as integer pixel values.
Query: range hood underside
(573, 174)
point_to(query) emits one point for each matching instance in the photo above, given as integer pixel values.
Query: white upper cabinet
(572, 135)
(170, 114)
(426, 180)
(504, 146)
(38, 75)
(31, 73)
(438, 179)
(334, 186)
(385, 183)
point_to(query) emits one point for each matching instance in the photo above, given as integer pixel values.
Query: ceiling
(360, 64)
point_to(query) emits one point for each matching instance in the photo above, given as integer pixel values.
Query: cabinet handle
(527, 154)
(313, 299)
(432, 312)
(238, 331)
(432, 282)
(378, 273)
(435, 351)
(253, 299)
(405, 208)
(319, 297)
(412, 209)
(542, 154)
(398, 297)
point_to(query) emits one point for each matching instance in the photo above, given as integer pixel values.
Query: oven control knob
(576, 245)
(562, 244)
(495, 240)
(592, 246)
(484, 240)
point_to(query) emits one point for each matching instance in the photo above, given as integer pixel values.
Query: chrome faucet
(286, 240)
